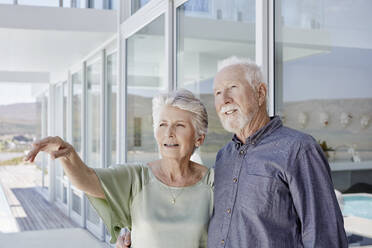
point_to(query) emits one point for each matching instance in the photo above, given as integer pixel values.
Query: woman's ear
(200, 140)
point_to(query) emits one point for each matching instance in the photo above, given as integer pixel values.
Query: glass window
(112, 108)
(40, 159)
(94, 124)
(94, 114)
(59, 114)
(45, 180)
(48, 3)
(6, 1)
(76, 203)
(72, 3)
(65, 110)
(323, 77)
(76, 111)
(207, 32)
(137, 4)
(145, 77)
(103, 4)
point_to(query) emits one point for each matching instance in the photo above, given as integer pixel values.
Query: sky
(15, 93)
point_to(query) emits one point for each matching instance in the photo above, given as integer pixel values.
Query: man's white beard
(235, 125)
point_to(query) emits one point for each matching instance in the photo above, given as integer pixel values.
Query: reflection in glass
(39, 160)
(64, 194)
(93, 124)
(65, 95)
(46, 3)
(76, 203)
(207, 32)
(112, 110)
(145, 77)
(59, 129)
(137, 4)
(45, 156)
(6, 1)
(323, 71)
(76, 111)
(94, 114)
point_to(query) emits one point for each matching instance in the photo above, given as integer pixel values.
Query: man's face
(235, 100)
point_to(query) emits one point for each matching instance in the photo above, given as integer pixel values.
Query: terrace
(90, 69)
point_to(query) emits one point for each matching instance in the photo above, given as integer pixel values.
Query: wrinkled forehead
(233, 73)
(172, 113)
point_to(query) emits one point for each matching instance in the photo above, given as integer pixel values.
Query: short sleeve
(120, 184)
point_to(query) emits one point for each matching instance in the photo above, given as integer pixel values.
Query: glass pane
(65, 110)
(92, 215)
(207, 32)
(102, 4)
(64, 199)
(37, 135)
(76, 203)
(65, 97)
(94, 114)
(6, 1)
(72, 3)
(137, 4)
(58, 190)
(76, 111)
(59, 127)
(49, 3)
(112, 108)
(45, 130)
(93, 124)
(145, 77)
(323, 79)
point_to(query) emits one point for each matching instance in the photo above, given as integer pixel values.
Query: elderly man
(272, 184)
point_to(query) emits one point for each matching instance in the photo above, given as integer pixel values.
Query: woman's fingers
(60, 153)
(32, 154)
(48, 144)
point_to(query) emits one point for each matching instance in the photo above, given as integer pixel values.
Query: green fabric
(135, 198)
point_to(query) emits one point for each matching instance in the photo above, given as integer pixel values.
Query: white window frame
(134, 23)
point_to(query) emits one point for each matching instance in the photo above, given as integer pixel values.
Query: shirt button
(222, 242)
(242, 152)
(253, 143)
(228, 210)
(235, 179)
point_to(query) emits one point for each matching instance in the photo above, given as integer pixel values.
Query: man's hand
(124, 240)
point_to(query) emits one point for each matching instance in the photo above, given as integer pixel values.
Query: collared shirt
(274, 190)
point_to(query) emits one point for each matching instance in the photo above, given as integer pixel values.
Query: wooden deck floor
(29, 208)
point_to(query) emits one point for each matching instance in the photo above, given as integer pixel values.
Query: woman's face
(175, 133)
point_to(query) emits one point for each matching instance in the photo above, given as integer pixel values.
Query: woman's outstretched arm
(80, 175)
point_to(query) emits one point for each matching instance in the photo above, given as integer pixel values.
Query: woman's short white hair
(253, 71)
(185, 100)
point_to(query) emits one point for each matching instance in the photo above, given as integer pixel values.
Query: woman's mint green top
(135, 198)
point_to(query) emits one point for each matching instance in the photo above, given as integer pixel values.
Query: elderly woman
(167, 202)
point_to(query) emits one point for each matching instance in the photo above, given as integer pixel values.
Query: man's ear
(262, 93)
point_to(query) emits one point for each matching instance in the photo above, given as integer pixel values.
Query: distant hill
(20, 118)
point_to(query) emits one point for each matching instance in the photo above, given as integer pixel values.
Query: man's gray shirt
(274, 191)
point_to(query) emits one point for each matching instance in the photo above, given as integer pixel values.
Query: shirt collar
(266, 130)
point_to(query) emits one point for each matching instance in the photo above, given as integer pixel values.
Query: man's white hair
(253, 72)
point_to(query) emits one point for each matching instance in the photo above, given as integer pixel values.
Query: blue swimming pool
(358, 205)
